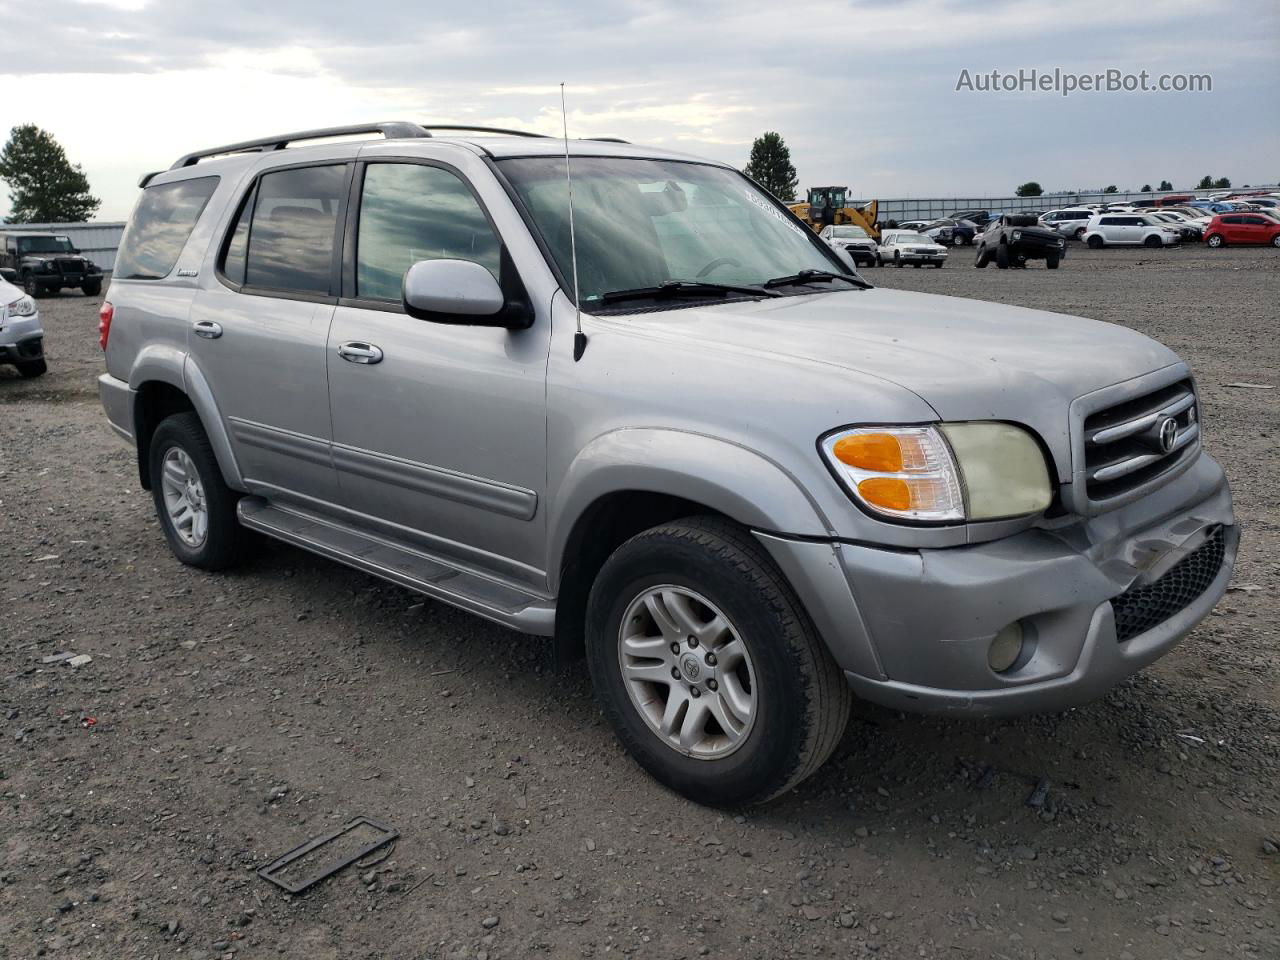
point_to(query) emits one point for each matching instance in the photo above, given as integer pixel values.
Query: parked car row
(899, 247)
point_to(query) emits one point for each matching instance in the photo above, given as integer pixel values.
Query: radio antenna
(579, 338)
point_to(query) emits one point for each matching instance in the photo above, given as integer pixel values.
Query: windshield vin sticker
(777, 215)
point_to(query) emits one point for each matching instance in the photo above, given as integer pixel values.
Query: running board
(439, 579)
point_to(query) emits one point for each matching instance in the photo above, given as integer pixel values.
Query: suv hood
(967, 359)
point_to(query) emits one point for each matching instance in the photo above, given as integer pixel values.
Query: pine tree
(44, 186)
(1165, 185)
(770, 166)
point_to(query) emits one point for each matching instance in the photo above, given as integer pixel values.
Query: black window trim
(339, 232)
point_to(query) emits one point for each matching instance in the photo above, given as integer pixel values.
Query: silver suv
(746, 484)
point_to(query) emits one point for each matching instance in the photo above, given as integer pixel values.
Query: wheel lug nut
(693, 641)
(675, 648)
(711, 659)
(695, 693)
(675, 673)
(712, 685)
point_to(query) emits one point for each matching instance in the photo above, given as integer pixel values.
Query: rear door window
(158, 230)
(285, 234)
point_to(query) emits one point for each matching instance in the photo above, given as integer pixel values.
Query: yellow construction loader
(829, 206)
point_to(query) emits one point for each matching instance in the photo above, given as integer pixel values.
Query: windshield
(848, 233)
(641, 223)
(910, 238)
(45, 245)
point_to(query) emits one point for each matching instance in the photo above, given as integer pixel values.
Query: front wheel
(197, 510)
(1152, 241)
(1002, 256)
(1215, 240)
(708, 668)
(31, 286)
(897, 260)
(30, 369)
(92, 288)
(1051, 261)
(982, 259)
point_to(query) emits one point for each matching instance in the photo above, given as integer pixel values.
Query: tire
(1215, 240)
(1096, 242)
(938, 265)
(1080, 231)
(1051, 261)
(1275, 241)
(982, 259)
(897, 260)
(799, 698)
(1002, 256)
(1152, 241)
(30, 369)
(917, 265)
(92, 289)
(957, 240)
(223, 540)
(31, 287)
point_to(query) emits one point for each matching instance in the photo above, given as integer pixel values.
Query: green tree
(1146, 188)
(1029, 189)
(44, 186)
(1112, 189)
(1222, 182)
(1165, 185)
(770, 166)
(1206, 183)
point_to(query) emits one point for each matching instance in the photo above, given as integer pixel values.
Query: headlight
(946, 473)
(1017, 234)
(48, 265)
(22, 307)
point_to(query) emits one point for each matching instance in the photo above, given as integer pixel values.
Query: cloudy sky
(864, 92)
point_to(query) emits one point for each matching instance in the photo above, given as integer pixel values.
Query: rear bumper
(117, 401)
(912, 628)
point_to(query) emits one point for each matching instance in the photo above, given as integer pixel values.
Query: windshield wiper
(683, 288)
(816, 276)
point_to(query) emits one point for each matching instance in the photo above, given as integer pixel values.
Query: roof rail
(390, 130)
(509, 133)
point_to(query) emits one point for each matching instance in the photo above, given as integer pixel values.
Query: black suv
(1013, 239)
(46, 263)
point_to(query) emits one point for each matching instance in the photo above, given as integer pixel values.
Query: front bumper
(912, 628)
(1036, 249)
(923, 257)
(21, 339)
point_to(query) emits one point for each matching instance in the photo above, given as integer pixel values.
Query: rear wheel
(197, 510)
(30, 369)
(1079, 234)
(1275, 241)
(92, 288)
(707, 666)
(1095, 242)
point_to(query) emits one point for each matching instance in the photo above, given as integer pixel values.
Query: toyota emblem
(1168, 434)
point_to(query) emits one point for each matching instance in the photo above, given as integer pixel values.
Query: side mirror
(462, 292)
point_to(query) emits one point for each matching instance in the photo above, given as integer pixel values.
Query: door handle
(357, 351)
(207, 329)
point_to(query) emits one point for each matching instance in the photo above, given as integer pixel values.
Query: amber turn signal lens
(880, 452)
(892, 493)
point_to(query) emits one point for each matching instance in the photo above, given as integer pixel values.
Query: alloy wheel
(687, 672)
(184, 497)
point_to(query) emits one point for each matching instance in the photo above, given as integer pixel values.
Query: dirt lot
(225, 719)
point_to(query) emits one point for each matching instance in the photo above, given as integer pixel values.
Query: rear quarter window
(161, 223)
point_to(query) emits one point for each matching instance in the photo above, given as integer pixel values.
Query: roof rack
(391, 130)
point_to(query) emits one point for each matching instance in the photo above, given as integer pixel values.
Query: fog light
(1006, 648)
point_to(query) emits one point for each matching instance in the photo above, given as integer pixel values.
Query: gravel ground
(225, 719)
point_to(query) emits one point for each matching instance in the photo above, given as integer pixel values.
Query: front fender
(723, 476)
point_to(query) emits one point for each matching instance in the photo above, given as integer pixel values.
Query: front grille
(1138, 610)
(71, 266)
(1122, 444)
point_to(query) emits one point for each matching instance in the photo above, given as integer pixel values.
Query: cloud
(864, 92)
